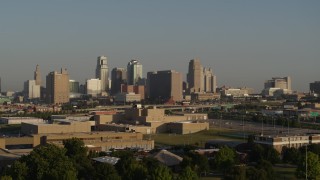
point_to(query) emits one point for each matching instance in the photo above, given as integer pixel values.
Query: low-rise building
(295, 141)
(20, 120)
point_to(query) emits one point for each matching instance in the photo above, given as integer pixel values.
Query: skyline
(244, 42)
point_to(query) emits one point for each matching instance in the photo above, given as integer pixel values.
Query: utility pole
(306, 164)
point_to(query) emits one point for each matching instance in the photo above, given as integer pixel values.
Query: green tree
(313, 166)
(47, 162)
(271, 155)
(257, 153)
(161, 172)
(237, 173)
(18, 170)
(253, 174)
(267, 167)
(78, 153)
(291, 155)
(105, 172)
(187, 174)
(225, 159)
(129, 167)
(6, 178)
(199, 163)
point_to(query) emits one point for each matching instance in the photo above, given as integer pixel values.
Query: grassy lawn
(199, 138)
(285, 173)
(10, 128)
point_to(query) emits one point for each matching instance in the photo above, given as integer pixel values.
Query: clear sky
(245, 42)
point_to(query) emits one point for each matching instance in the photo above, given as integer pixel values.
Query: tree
(75, 148)
(46, 162)
(161, 172)
(77, 152)
(271, 155)
(6, 178)
(129, 167)
(187, 174)
(313, 166)
(267, 167)
(197, 162)
(237, 173)
(225, 159)
(291, 155)
(253, 174)
(18, 170)
(106, 171)
(257, 153)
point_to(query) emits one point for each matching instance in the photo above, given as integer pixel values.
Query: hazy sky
(245, 42)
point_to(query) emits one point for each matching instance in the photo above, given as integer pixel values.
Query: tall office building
(165, 85)
(118, 77)
(134, 72)
(315, 87)
(195, 76)
(200, 79)
(74, 86)
(94, 87)
(278, 82)
(209, 80)
(31, 89)
(57, 87)
(102, 72)
(37, 75)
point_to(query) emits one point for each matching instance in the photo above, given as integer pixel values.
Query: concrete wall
(187, 128)
(55, 128)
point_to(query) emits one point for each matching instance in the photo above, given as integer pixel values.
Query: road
(258, 128)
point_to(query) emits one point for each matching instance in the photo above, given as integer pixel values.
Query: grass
(285, 172)
(199, 138)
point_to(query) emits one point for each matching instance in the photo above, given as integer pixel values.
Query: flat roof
(107, 159)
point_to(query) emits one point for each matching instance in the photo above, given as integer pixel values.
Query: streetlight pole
(306, 164)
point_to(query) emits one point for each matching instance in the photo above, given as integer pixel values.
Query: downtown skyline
(245, 42)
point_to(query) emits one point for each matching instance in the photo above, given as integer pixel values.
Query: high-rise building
(74, 86)
(118, 77)
(278, 82)
(194, 76)
(31, 89)
(315, 87)
(199, 79)
(37, 75)
(134, 72)
(102, 72)
(165, 85)
(57, 87)
(94, 87)
(209, 79)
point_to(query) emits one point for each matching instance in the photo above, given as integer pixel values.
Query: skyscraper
(278, 82)
(134, 72)
(57, 87)
(165, 85)
(93, 87)
(118, 77)
(315, 87)
(102, 72)
(31, 90)
(194, 76)
(37, 75)
(209, 79)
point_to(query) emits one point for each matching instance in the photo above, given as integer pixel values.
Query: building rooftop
(107, 159)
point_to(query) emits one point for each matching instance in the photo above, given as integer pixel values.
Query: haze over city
(245, 42)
